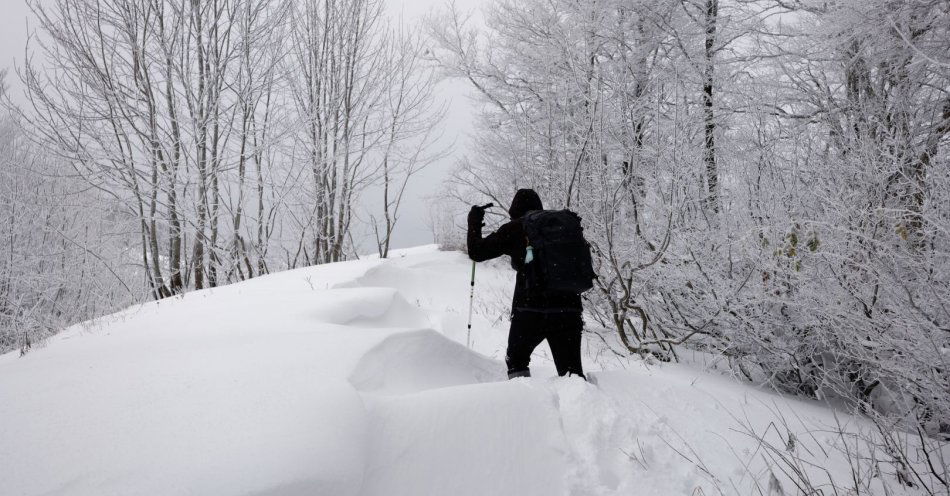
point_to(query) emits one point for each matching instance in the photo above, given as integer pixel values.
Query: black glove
(476, 216)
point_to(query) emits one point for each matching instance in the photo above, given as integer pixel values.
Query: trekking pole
(471, 302)
(471, 295)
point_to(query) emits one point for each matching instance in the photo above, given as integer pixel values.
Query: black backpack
(561, 256)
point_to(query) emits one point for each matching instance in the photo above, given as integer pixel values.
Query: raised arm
(494, 245)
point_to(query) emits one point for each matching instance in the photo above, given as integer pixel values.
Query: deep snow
(353, 379)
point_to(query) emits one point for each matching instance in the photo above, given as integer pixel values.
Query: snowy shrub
(62, 258)
(445, 222)
(767, 181)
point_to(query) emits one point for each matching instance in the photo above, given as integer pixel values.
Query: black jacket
(510, 240)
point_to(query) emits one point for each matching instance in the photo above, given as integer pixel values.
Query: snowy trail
(434, 403)
(350, 380)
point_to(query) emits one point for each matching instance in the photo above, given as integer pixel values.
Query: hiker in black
(536, 314)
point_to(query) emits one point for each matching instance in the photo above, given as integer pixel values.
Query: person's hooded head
(525, 200)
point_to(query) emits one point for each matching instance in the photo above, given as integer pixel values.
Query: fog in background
(413, 228)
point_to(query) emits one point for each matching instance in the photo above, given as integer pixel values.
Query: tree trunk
(709, 116)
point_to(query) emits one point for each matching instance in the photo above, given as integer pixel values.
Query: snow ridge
(414, 382)
(349, 380)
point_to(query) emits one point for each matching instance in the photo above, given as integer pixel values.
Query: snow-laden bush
(62, 258)
(766, 181)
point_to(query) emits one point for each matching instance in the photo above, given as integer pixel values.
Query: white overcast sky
(412, 229)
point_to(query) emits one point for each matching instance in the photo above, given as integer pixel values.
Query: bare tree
(412, 117)
(339, 97)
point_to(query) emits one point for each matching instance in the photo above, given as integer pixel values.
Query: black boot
(512, 374)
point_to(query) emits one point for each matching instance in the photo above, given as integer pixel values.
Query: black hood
(525, 201)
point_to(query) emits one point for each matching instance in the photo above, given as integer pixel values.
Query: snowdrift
(350, 379)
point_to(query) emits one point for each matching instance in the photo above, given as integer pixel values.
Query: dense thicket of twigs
(57, 238)
(169, 145)
(766, 180)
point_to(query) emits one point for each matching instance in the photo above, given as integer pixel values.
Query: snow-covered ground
(354, 379)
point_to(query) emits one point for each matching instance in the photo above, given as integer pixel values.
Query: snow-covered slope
(354, 379)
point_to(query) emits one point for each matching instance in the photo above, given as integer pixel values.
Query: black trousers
(563, 332)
